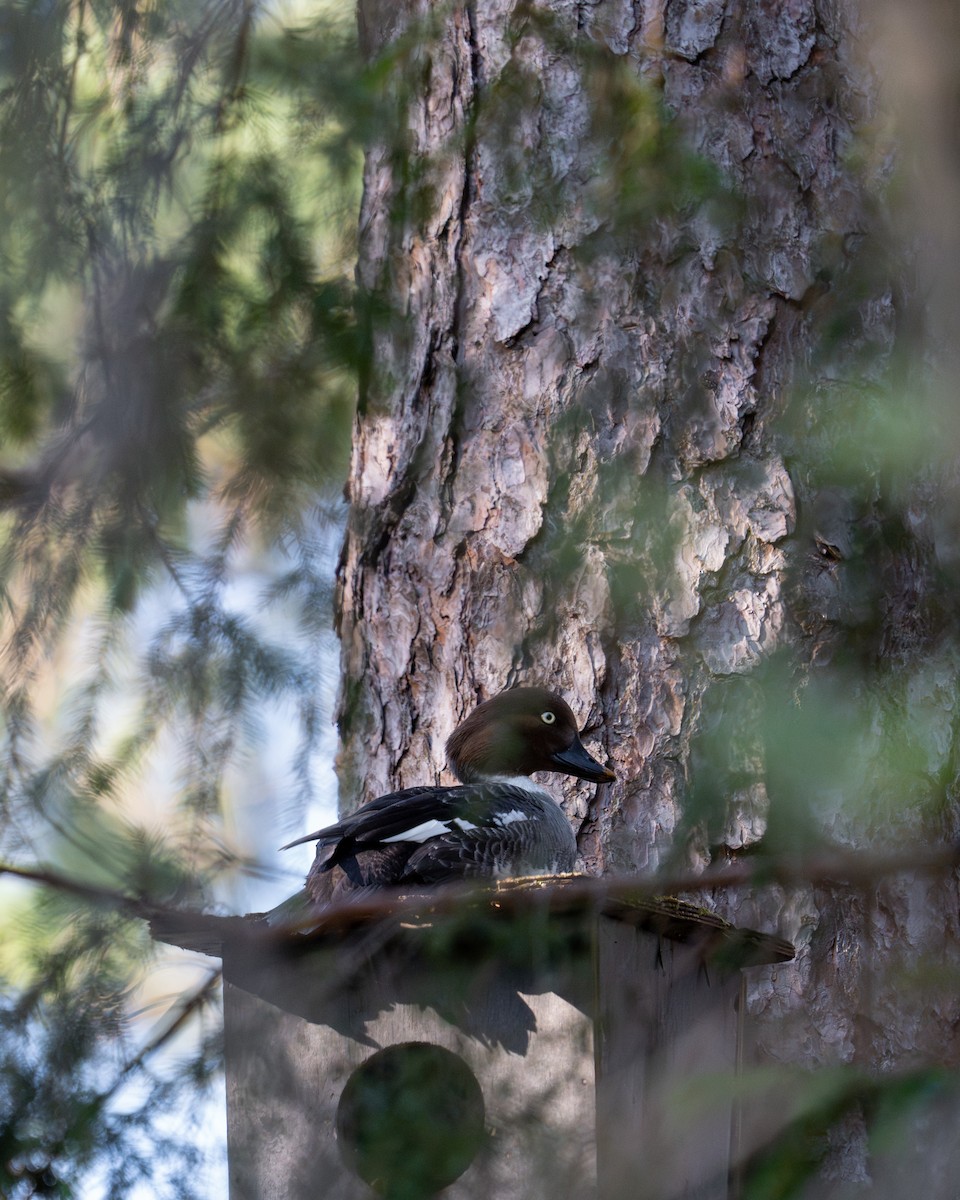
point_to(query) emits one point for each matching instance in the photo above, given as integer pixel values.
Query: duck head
(522, 730)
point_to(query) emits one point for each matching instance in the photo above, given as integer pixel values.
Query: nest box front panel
(408, 1080)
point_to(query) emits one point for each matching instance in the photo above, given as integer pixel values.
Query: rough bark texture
(556, 381)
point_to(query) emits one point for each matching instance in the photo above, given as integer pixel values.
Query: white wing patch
(421, 833)
(508, 818)
(430, 829)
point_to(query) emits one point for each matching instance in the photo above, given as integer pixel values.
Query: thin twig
(184, 1011)
(822, 869)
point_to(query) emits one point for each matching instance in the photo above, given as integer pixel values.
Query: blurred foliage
(178, 360)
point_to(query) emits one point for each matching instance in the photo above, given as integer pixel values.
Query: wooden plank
(531, 1051)
(667, 1038)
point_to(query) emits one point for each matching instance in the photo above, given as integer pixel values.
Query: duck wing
(544, 844)
(365, 821)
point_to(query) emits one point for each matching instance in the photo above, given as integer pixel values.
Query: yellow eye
(548, 717)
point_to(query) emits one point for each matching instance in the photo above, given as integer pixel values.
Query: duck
(495, 823)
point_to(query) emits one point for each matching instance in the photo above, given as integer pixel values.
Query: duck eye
(548, 717)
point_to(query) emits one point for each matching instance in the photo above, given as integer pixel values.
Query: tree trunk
(571, 466)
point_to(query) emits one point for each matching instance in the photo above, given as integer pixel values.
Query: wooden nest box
(544, 1040)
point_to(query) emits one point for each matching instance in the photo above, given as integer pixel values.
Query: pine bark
(570, 463)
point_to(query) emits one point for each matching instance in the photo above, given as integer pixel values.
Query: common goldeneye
(495, 823)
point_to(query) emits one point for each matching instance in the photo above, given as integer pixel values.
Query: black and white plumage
(495, 823)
